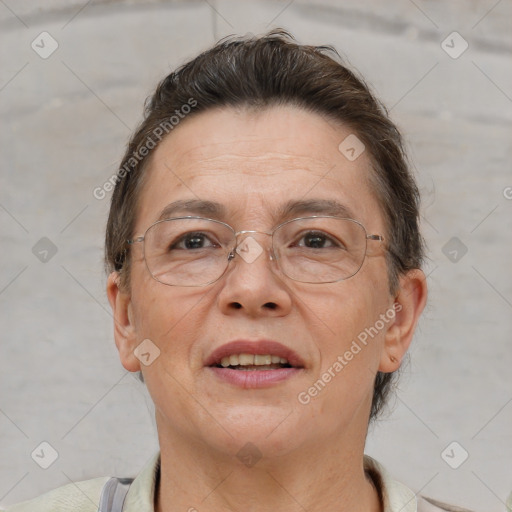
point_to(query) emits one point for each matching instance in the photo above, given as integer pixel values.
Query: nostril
(271, 305)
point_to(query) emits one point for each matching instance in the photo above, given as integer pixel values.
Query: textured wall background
(65, 120)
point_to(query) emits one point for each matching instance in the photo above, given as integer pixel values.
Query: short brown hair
(260, 72)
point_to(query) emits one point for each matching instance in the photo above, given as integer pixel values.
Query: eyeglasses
(196, 251)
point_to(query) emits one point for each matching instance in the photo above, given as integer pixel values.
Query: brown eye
(193, 240)
(319, 240)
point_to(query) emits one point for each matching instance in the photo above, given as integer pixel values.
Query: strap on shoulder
(113, 494)
(429, 505)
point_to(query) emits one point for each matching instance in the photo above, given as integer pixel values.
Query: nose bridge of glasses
(251, 231)
(248, 247)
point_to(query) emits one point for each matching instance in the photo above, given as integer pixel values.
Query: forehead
(255, 165)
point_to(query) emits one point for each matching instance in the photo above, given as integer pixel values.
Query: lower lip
(251, 379)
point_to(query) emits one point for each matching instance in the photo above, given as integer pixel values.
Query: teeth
(245, 359)
(251, 360)
(261, 360)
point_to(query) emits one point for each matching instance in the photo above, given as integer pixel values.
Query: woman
(264, 262)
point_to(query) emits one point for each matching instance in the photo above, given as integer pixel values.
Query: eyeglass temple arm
(380, 238)
(135, 240)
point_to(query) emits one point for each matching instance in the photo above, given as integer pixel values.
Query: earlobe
(124, 328)
(409, 304)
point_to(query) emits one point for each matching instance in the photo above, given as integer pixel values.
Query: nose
(253, 283)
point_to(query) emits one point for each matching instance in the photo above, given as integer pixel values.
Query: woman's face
(252, 164)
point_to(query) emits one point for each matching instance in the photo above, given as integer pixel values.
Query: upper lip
(261, 347)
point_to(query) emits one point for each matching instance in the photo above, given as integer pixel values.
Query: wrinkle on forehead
(207, 155)
(283, 132)
(246, 156)
(258, 165)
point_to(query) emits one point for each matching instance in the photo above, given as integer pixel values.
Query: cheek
(350, 356)
(346, 311)
(355, 331)
(166, 317)
(163, 314)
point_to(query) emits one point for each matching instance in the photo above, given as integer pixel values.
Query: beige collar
(396, 496)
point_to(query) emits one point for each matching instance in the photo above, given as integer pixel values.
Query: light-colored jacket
(85, 496)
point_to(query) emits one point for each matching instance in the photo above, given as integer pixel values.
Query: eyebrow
(317, 206)
(290, 209)
(195, 206)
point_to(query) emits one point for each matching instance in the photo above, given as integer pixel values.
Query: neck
(316, 478)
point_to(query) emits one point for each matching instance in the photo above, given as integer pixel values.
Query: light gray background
(65, 122)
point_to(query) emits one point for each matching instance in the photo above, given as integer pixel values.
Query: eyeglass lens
(194, 251)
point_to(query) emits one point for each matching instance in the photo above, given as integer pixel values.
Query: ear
(124, 328)
(409, 303)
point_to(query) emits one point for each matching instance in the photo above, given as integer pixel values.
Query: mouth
(254, 364)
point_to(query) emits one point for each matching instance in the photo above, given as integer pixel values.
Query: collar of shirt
(396, 496)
